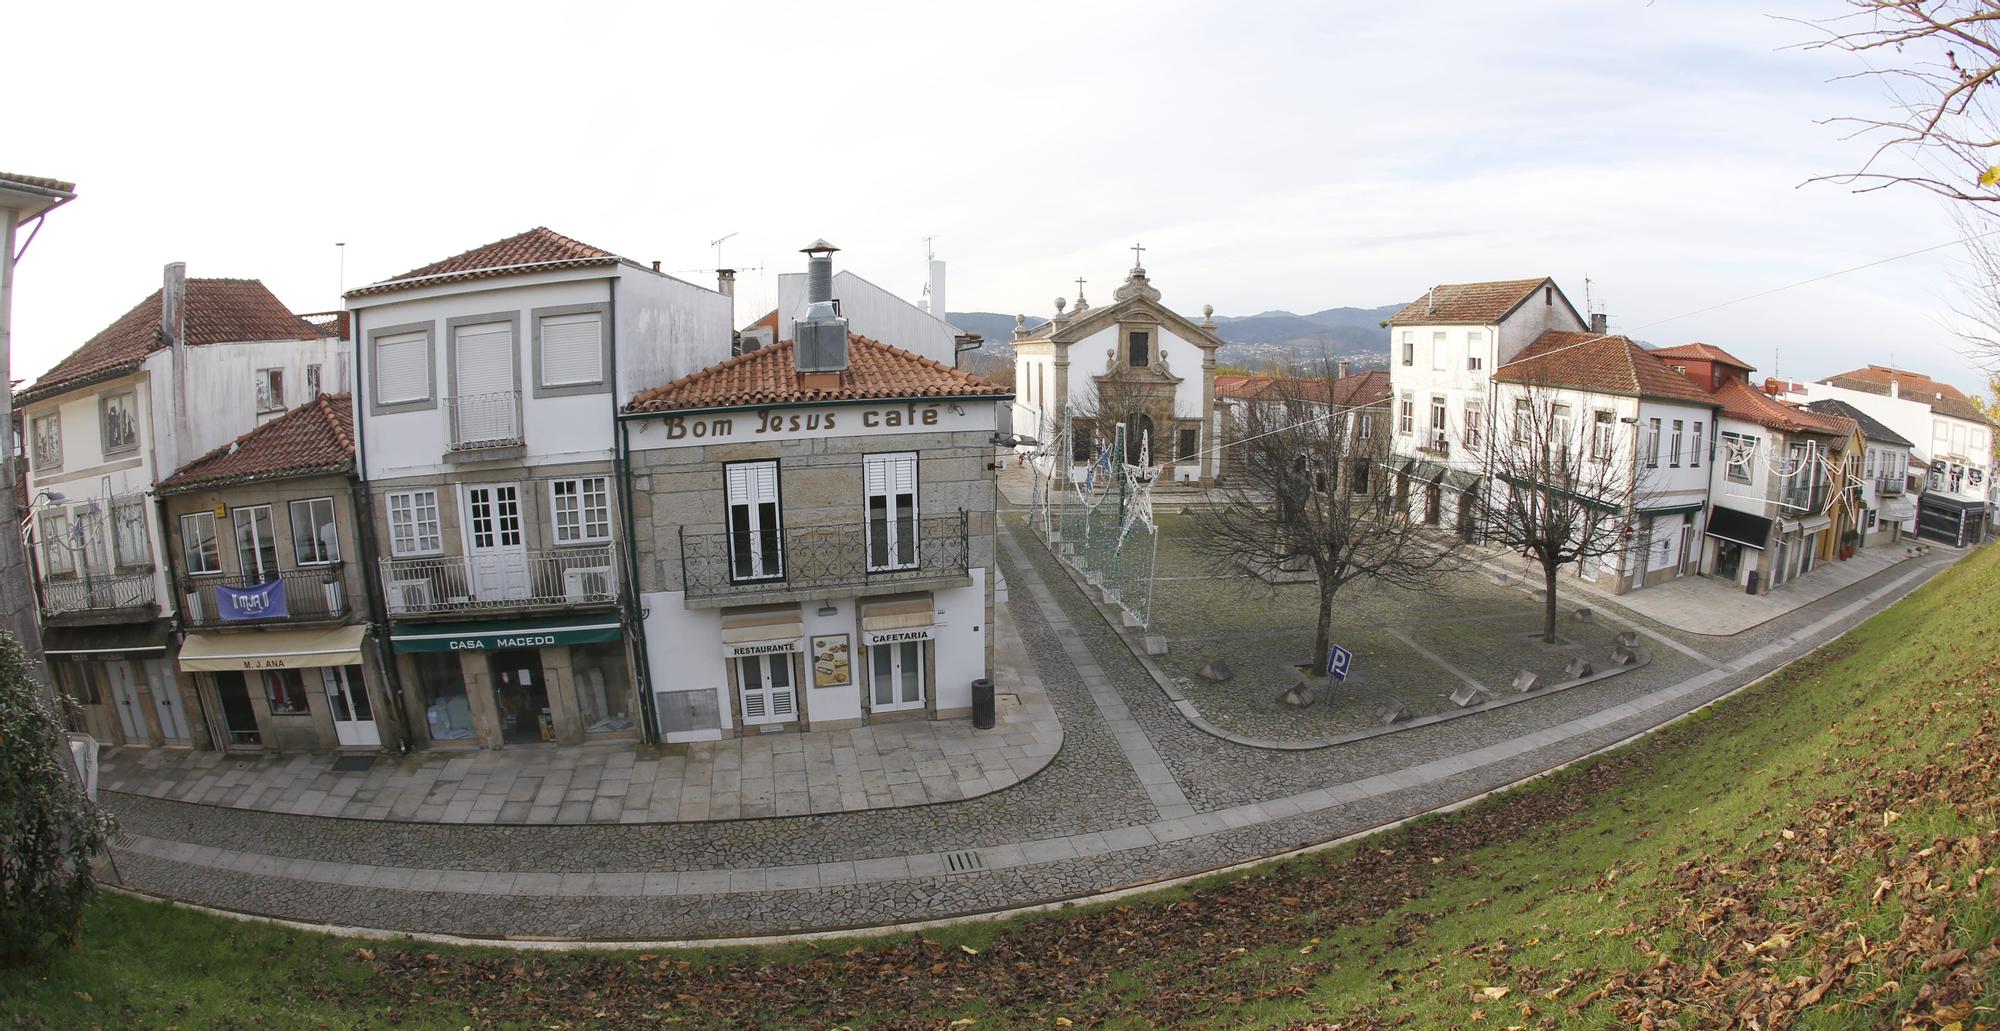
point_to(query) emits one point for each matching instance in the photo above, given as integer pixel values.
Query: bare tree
(1560, 489)
(1114, 399)
(1309, 492)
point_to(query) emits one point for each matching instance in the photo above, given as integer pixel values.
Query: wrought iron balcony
(1889, 486)
(484, 420)
(97, 592)
(309, 595)
(822, 557)
(1804, 498)
(556, 577)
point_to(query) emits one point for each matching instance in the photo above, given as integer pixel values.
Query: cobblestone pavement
(1100, 815)
(919, 762)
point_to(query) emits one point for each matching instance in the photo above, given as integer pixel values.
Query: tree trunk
(1549, 570)
(1323, 636)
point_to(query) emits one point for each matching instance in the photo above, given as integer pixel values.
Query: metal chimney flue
(1600, 323)
(819, 337)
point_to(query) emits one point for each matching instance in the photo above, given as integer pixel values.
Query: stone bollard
(1217, 671)
(1584, 616)
(1623, 656)
(1628, 639)
(1579, 668)
(1392, 714)
(1299, 695)
(1468, 696)
(1156, 644)
(1525, 682)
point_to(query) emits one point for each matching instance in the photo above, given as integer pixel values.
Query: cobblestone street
(1136, 793)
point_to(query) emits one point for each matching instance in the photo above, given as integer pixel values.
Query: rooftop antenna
(717, 244)
(1588, 310)
(341, 247)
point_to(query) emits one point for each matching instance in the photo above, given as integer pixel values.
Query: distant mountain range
(1338, 331)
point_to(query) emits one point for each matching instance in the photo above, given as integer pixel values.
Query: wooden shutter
(401, 372)
(572, 350)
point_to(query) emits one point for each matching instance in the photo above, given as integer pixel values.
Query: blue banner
(264, 601)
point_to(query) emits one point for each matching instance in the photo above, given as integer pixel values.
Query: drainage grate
(353, 764)
(965, 861)
(123, 839)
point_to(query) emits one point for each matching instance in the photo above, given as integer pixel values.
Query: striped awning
(898, 617)
(273, 649)
(762, 630)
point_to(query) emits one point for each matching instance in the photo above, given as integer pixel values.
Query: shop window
(602, 687)
(285, 690)
(441, 685)
(76, 681)
(198, 551)
(315, 541)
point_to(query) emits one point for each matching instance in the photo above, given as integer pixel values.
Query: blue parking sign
(1339, 661)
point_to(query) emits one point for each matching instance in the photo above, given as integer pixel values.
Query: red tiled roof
(1740, 400)
(38, 182)
(311, 439)
(1479, 304)
(1367, 387)
(1943, 398)
(1703, 353)
(218, 311)
(766, 376)
(1601, 364)
(539, 249)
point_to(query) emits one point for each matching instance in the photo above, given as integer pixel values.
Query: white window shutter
(485, 364)
(905, 469)
(572, 350)
(767, 482)
(739, 485)
(400, 368)
(875, 478)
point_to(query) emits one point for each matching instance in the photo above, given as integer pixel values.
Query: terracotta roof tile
(1479, 304)
(539, 249)
(1603, 364)
(1703, 353)
(1943, 398)
(1367, 387)
(1740, 400)
(312, 439)
(766, 376)
(38, 182)
(218, 311)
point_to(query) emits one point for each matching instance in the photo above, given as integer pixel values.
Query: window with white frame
(58, 552)
(1524, 420)
(891, 502)
(1475, 422)
(402, 368)
(1653, 444)
(756, 551)
(315, 538)
(270, 390)
(572, 349)
(1364, 425)
(1440, 439)
(1603, 425)
(1438, 350)
(1409, 347)
(1695, 453)
(198, 551)
(47, 431)
(312, 382)
(1406, 415)
(581, 508)
(1564, 427)
(413, 523)
(1868, 469)
(1738, 451)
(1674, 454)
(896, 675)
(118, 421)
(1475, 346)
(256, 542)
(128, 531)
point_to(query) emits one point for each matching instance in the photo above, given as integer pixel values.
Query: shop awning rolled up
(500, 634)
(763, 630)
(902, 617)
(105, 643)
(1751, 531)
(273, 649)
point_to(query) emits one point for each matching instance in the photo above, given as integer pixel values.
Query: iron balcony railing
(484, 420)
(97, 592)
(1810, 499)
(822, 557)
(497, 580)
(1889, 486)
(310, 595)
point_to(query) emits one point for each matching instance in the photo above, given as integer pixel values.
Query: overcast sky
(1295, 156)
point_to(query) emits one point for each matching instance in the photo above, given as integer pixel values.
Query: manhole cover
(965, 861)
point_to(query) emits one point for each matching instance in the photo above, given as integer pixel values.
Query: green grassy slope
(1817, 852)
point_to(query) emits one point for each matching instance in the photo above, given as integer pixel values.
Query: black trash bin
(1751, 588)
(982, 704)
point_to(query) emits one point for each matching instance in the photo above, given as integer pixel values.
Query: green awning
(1456, 480)
(1588, 501)
(494, 635)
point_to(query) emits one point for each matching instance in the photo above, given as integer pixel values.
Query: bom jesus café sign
(830, 420)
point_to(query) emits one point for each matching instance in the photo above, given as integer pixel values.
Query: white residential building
(187, 370)
(488, 386)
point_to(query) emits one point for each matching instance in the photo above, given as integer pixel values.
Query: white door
(125, 698)
(347, 698)
(486, 406)
(166, 703)
(896, 676)
(495, 556)
(765, 684)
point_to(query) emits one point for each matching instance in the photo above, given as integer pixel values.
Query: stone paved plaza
(1135, 793)
(916, 762)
